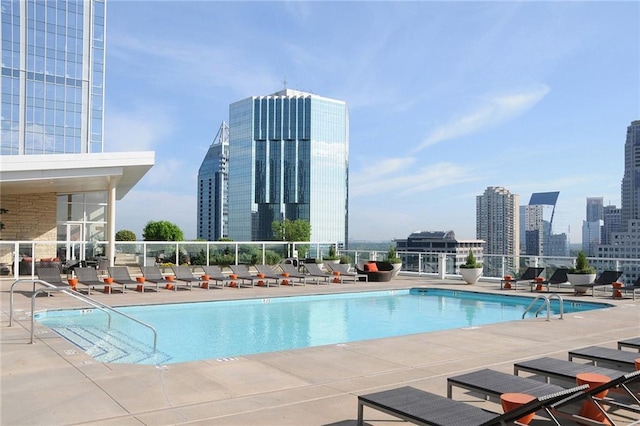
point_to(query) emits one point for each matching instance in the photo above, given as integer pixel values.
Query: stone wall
(29, 217)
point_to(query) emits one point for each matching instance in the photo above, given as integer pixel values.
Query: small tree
(297, 230)
(582, 265)
(471, 262)
(125, 235)
(391, 255)
(162, 231)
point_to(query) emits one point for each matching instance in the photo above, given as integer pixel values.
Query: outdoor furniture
(558, 277)
(561, 369)
(241, 272)
(633, 343)
(89, 277)
(267, 272)
(215, 275)
(421, 407)
(599, 354)
(633, 289)
(341, 272)
(605, 279)
(51, 276)
(290, 273)
(313, 270)
(529, 274)
(120, 275)
(183, 274)
(375, 271)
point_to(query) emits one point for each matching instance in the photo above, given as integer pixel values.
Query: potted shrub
(581, 274)
(471, 270)
(332, 256)
(345, 259)
(393, 259)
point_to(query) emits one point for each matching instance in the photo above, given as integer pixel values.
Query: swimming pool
(224, 329)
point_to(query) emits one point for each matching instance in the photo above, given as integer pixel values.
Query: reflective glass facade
(52, 81)
(288, 155)
(213, 189)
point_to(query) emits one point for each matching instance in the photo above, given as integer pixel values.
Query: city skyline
(445, 100)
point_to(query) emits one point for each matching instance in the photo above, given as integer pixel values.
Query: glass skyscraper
(213, 177)
(288, 159)
(52, 76)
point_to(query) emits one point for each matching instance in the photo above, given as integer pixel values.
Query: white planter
(576, 280)
(396, 269)
(471, 275)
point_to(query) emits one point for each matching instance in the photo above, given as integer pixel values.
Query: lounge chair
(558, 277)
(313, 270)
(51, 276)
(268, 273)
(420, 407)
(632, 288)
(494, 383)
(243, 274)
(530, 274)
(154, 276)
(215, 275)
(89, 277)
(341, 272)
(593, 394)
(633, 343)
(560, 369)
(183, 274)
(293, 274)
(605, 279)
(120, 275)
(597, 354)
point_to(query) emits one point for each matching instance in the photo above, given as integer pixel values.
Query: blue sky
(445, 99)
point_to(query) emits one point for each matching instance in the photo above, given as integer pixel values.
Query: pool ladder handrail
(77, 295)
(547, 304)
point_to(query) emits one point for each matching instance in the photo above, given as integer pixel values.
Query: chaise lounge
(342, 271)
(425, 408)
(530, 274)
(375, 271)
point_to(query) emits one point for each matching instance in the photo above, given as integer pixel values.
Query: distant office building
(591, 232)
(559, 245)
(213, 188)
(595, 209)
(531, 229)
(288, 159)
(611, 223)
(625, 244)
(435, 243)
(543, 200)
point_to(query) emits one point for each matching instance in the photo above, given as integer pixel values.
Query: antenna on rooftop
(284, 82)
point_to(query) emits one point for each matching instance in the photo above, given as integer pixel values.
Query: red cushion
(371, 267)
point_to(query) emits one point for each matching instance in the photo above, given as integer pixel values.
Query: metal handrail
(88, 300)
(546, 304)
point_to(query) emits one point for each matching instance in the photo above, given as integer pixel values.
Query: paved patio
(53, 383)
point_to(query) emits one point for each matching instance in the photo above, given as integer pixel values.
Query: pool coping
(49, 383)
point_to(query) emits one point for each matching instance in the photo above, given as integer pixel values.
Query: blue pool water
(223, 329)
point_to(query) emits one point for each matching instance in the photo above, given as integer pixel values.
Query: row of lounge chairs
(241, 276)
(531, 277)
(557, 401)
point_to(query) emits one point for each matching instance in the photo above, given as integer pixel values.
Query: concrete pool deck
(53, 383)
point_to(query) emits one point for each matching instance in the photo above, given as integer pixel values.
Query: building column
(111, 222)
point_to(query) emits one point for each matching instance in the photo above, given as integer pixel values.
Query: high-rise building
(531, 229)
(611, 223)
(213, 188)
(56, 183)
(630, 183)
(498, 223)
(625, 244)
(288, 159)
(595, 209)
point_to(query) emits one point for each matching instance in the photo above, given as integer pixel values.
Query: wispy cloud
(494, 111)
(397, 176)
(140, 128)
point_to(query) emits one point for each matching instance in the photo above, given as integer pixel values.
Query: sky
(445, 99)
